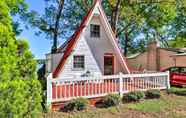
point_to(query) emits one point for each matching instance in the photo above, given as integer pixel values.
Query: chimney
(152, 56)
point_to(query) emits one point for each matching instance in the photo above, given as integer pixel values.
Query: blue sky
(38, 44)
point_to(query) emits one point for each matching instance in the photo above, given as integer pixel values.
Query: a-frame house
(91, 51)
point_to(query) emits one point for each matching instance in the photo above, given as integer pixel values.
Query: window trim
(73, 63)
(94, 33)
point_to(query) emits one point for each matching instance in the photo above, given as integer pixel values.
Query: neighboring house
(158, 59)
(91, 51)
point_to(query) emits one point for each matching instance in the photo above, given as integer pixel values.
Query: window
(94, 30)
(79, 62)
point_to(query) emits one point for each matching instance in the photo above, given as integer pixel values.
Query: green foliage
(111, 100)
(177, 91)
(19, 88)
(57, 21)
(134, 96)
(76, 104)
(137, 20)
(178, 42)
(153, 94)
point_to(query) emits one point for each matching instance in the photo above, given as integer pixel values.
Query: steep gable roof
(67, 48)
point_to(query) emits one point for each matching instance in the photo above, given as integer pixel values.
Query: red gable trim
(72, 42)
(112, 33)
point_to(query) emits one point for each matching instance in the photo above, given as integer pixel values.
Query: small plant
(151, 94)
(111, 100)
(134, 96)
(76, 105)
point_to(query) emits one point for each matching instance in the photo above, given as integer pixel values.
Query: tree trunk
(115, 16)
(58, 16)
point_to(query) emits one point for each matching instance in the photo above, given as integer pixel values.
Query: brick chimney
(152, 56)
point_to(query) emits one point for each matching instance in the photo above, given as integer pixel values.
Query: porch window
(95, 31)
(79, 62)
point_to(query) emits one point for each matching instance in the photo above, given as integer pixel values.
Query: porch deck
(64, 89)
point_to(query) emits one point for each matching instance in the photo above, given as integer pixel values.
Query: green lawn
(149, 105)
(168, 106)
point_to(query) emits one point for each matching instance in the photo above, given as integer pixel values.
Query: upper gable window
(95, 30)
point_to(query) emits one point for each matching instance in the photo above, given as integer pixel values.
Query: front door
(108, 65)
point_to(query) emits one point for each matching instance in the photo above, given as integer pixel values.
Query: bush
(69, 106)
(76, 104)
(177, 91)
(81, 103)
(153, 94)
(134, 96)
(111, 100)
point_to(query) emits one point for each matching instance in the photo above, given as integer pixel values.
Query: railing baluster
(85, 87)
(88, 87)
(102, 86)
(65, 90)
(77, 88)
(126, 79)
(56, 92)
(73, 88)
(143, 84)
(115, 86)
(99, 86)
(92, 83)
(61, 90)
(106, 86)
(81, 88)
(69, 90)
(124, 83)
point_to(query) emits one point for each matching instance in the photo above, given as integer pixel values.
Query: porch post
(49, 89)
(168, 80)
(121, 84)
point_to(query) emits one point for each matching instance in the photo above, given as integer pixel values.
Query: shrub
(153, 94)
(177, 91)
(134, 96)
(81, 103)
(111, 100)
(76, 104)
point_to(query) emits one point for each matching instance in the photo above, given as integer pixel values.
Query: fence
(60, 90)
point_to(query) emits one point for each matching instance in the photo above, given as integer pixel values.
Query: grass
(149, 106)
(168, 106)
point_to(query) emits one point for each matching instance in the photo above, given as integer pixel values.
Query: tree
(177, 31)
(50, 23)
(179, 41)
(130, 19)
(140, 18)
(19, 88)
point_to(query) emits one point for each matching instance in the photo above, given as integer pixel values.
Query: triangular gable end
(96, 9)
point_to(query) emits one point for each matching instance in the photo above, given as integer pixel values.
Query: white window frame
(73, 63)
(93, 32)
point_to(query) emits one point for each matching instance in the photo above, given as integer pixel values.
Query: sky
(38, 44)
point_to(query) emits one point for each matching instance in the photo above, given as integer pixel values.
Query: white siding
(91, 65)
(102, 45)
(93, 49)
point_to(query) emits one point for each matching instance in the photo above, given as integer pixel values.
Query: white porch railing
(59, 90)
